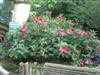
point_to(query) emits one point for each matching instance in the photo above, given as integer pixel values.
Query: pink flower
(45, 22)
(87, 47)
(92, 57)
(62, 32)
(81, 62)
(22, 35)
(59, 17)
(63, 49)
(23, 27)
(87, 33)
(35, 17)
(39, 19)
(69, 31)
(88, 62)
(80, 32)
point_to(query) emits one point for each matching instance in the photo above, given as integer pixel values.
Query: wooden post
(21, 69)
(26, 68)
(41, 71)
(37, 72)
(33, 71)
(30, 70)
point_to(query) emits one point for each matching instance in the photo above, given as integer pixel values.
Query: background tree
(94, 11)
(5, 11)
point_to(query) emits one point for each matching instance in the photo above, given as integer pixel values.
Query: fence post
(21, 69)
(26, 68)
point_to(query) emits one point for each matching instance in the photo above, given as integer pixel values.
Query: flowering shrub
(51, 39)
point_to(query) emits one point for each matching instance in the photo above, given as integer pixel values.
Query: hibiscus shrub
(50, 39)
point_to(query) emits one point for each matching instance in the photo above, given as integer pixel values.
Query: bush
(76, 10)
(50, 39)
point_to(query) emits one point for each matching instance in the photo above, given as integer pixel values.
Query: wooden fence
(30, 69)
(56, 69)
(3, 29)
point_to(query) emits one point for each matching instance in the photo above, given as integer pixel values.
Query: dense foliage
(84, 11)
(49, 39)
(94, 11)
(45, 38)
(5, 11)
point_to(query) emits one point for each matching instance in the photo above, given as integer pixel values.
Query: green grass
(8, 65)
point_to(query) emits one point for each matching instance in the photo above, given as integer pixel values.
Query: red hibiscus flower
(62, 32)
(22, 35)
(80, 32)
(63, 49)
(88, 62)
(81, 63)
(45, 22)
(69, 31)
(87, 47)
(23, 28)
(39, 19)
(35, 17)
(87, 33)
(59, 17)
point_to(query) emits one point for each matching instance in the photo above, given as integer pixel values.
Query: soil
(13, 73)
